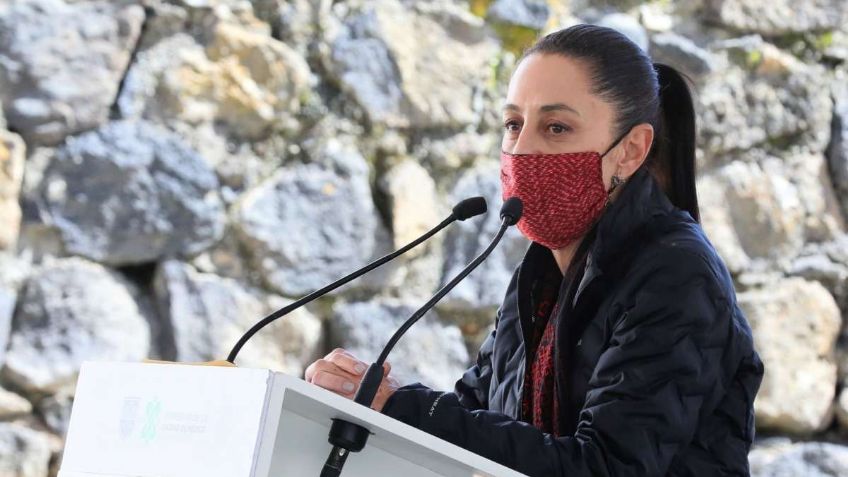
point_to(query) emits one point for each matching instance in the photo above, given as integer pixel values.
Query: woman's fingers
(341, 372)
(347, 361)
(334, 382)
(326, 366)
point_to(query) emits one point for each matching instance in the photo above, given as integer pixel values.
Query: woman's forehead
(549, 82)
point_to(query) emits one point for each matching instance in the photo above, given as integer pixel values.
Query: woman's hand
(341, 373)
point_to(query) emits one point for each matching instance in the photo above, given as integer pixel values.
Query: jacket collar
(640, 201)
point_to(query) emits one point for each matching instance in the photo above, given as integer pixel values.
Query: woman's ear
(636, 146)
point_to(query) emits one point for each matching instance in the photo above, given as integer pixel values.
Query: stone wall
(173, 170)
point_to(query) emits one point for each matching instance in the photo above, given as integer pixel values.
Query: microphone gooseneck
(465, 209)
(341, 431)
(510, 215)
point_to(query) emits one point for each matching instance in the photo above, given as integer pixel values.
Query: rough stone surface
(795, 325)
(208, 314)
(56, 410)
(526, 13)
(309, 225)
(246, 81)
(482, 291)
(431, 352)
(771, 97)
(131, 192)
(781, 457)
(24, 452)
(13, 405)
(413, 202)
(717, 222)
(765, 209)
(13, 272)
(60, 71)
(628, 26)
(682, 53)
(779, 17)
(842, 408)
(71, 311)
(402, 80)
(838, 149)
(12, 154)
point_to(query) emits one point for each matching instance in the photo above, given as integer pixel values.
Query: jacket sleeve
(661, 364)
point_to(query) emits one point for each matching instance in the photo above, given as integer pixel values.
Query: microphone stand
(347, 437)
(463, 210)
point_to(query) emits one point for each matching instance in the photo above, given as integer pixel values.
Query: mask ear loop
(616, 181)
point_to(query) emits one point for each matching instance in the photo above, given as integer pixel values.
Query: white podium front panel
(153, 420)
(159, 420)
(394, 448)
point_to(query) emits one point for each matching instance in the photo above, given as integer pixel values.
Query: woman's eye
(512, 126)
(558, 128)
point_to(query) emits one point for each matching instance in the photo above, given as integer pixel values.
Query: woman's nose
(526, 143)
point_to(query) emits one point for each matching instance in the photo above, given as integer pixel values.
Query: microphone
(464, 210)
(347, 437)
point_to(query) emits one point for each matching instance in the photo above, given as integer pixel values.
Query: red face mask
(563, 194)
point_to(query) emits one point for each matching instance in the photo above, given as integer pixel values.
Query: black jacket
(655, 363)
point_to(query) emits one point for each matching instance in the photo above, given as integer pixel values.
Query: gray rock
(24, 452)
(445, 155)
(769, 97)
(764, 208)
(842, 408)
(295, 23)
(717, 221)
(431, 352)
(682, 53)
(310, 224)
(782, 458)
(207, 314)
(13, 405)
(526, 13)
(819, 267)
(71, 311)
(412, 198)
(12, 156)
(415, 208)
(56, 410)
(795, 324)
(483, 291)
(628, 26)
(246, 82)
(808, 172)
(837, 152)
(11, 277)
(779, 17)
(131, 192)
(404, 80)
(60, 71)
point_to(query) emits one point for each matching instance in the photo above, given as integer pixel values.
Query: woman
(619, 348)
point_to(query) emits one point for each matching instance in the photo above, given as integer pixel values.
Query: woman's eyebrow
(545, 108)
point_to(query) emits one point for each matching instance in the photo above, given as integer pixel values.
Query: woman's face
(550, 109)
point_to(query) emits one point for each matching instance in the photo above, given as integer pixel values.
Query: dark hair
(640, 92)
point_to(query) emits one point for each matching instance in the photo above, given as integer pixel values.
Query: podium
(173, 420)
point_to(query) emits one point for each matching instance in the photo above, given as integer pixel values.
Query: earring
(615, 182)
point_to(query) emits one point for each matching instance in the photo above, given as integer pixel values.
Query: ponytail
(674, 144)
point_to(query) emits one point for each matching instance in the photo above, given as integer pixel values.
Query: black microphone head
(471, 207)
(512, 210)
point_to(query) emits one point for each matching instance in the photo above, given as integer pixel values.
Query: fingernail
(360, 368)
(348, 386)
